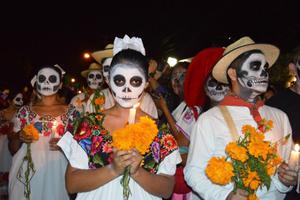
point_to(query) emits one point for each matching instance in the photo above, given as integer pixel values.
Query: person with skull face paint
(51, 118)
(83, 102)
(127, 80)
(288, 101)
(15, 101)
(105, 57)
(244, 65)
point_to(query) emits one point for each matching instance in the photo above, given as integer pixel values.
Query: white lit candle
(294, 158)
(132, 112)
(54, 126)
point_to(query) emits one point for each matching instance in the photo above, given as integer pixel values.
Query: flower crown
(134, 43)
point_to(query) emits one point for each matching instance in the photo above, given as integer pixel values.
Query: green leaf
(98, 160)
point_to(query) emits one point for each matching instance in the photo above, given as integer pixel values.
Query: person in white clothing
(244, 66)
(95, 173)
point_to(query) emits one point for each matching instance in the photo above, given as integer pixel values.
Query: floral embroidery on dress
(46, 125)
(96, 141)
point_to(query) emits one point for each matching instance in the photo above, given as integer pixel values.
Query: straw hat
(93, 66)
(106, 53)
(237, 48)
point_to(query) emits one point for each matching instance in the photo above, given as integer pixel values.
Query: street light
(86, 55)
(73, 80)
(172, 61)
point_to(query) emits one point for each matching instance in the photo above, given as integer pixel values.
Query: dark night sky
(36, 34)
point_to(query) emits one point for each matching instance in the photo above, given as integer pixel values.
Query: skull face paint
(253, 75)
(48, 81)
(127, 82)
(106, 67)
(94, 79)
(177, 79)
(18, 100)
(215, 90)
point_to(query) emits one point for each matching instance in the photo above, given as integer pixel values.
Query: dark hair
(236, 63)
(294, 55)
(131, 56)
(51, 67)
(184, 64)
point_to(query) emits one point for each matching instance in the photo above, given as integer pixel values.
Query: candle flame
(297, 147)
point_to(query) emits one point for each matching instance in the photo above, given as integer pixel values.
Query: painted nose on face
(263, 73)
(219, 87)
(126, 90)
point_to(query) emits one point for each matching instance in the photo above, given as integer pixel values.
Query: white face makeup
(177, 79)
(48, 81)
(18, 100)
(127, 83)
(253, 73)
(215, 90)
(106, 67)
(94, 79)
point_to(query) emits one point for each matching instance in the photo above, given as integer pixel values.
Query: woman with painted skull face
(127, 80)
(15, 100)
(49, 118)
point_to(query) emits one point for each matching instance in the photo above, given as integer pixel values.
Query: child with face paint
(15, 101)
(127, 80)
(51, 118)
(244, 65)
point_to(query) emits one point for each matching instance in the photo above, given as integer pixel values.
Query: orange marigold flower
(100, 100)
(257, 148)
(31, 131)
(252, 180)
(236, 152)
(219, 171)
(248, 129)
(252, 197)
(257, 136)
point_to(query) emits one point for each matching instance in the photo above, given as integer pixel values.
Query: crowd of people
(53, 146)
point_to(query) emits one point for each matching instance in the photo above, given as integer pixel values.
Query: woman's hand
(121, 160)
(239, 195)
(53, 144)
(24, 137)
(287, 176)
(136, 160)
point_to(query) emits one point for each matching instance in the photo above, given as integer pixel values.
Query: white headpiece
(134, 43)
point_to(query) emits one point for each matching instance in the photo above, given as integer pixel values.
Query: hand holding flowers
(250, 162)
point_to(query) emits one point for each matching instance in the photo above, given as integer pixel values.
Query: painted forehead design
(125, 66)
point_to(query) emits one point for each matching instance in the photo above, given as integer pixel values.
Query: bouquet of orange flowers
(31, 131)
(139, 136)
(250, 161)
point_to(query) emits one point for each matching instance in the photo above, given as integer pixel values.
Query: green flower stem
(125, 183)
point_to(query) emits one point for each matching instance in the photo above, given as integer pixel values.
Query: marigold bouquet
(32, 132)
(250, 161)
(139, 136)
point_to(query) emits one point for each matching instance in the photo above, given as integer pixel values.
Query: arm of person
(164, 182)
(202, 148)
(14, 142)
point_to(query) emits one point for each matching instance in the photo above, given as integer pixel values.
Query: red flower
(49, 124)
(82, 134)
(47, 133)
(96, 144)
(169, 142)
(23, 122)
(60, 129)
(107, 148)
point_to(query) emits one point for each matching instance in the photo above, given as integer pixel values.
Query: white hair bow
(134, 43)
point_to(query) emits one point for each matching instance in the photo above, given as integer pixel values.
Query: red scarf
(231, 100)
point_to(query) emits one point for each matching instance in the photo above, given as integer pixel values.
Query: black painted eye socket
(136, 81)
(98, 76)
(106, 68)
(18, 99)
(255, 65)
(41, 78)
(91, 76)
(52, 79)
(212, 83)
(119, 80)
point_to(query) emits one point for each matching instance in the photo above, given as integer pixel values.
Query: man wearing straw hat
(85, 102)
(244, 66)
